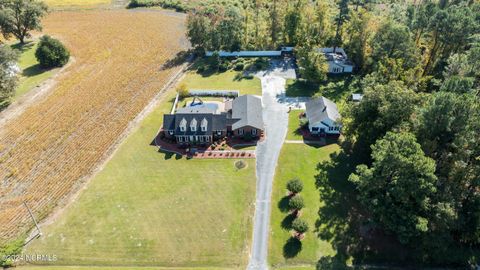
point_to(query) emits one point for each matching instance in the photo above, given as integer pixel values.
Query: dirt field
(47, 151)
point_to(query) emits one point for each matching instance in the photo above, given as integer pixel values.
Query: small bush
(201, 69)
(182, 91)
(296, 203)
(240, 164)
(51, 53)
(300, 226)
(303, 122)
(247, 137)
(261, 63)
(295, 186)
(239, 66)
(248, 77)
(223, 67)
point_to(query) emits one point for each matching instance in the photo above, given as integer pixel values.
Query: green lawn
(113, 268)
(294, 125)
(335, 88)
(297, 160)
(229, 80)
(32, 74)
(147, 208)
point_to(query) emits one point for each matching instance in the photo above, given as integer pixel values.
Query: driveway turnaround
(275, 117)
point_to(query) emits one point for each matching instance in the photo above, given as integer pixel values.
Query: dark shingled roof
(248, 109)
(214, 122)
(168, 121)
(320, 109)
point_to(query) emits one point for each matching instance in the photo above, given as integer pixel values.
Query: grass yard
(228, 80)
(336, 88)
(32, 74)
(297, 160)
(153, 209)
(115, 268)
(294, 125)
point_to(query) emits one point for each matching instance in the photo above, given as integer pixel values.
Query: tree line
(416, 131)
(411, 42)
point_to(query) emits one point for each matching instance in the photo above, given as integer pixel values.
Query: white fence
(214, 93)
(247, 54)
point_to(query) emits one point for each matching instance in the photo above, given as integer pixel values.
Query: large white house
(337, 60)
(323, 117)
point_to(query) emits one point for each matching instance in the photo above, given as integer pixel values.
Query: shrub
(51, 52)
(295, 186)
(247, 137)
(296, 203)
(201, 69)
(240, 164)
(182, 91)
(303, 122)
(223, 67)
(248, 77)
(300, 226)
(261, 63)
(239, 66)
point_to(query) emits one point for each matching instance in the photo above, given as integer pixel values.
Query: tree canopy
(20, 17)
(8, 73)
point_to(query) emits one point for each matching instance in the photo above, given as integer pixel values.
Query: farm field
(46, 152)
(297, 160)
(148, 208)
(76, 3)
(32, 74)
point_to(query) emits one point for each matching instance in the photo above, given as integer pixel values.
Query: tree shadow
(283, 204)
(23, 47)
(34, 70)
(292, 247)
(342, 220)
(287, 221)
(180, 58)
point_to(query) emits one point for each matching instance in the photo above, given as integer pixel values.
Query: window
(193, 128)
(182, 128)
(201, 138)
(204, 128)
(180, 139)
(254, 132)
(207, 139)
(314, 128)
(240, 131)
(330, 128)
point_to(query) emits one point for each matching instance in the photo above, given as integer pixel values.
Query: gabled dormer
(193, 125)
(183, 125)
(204, 124)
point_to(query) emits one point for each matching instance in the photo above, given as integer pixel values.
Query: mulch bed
(222, 149)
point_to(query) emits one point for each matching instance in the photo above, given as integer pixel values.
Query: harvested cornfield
(48, 150)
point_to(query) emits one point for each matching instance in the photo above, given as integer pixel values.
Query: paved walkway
(275, 117)
(321, 142)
